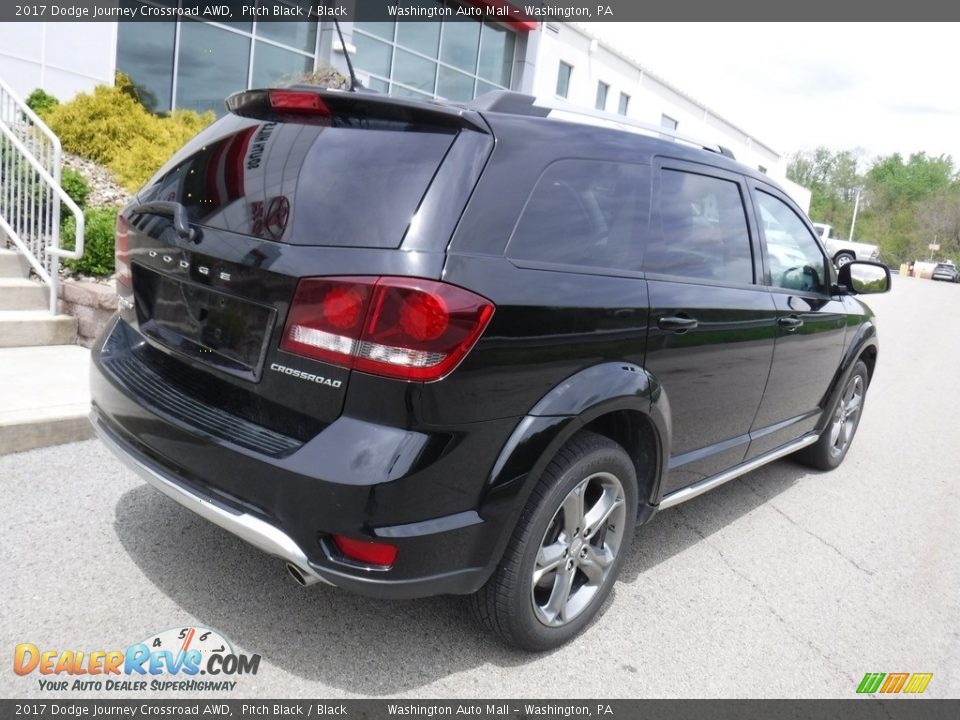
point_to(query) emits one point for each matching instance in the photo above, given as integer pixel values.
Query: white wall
(62, 58)
(650, 96)
(801, 195)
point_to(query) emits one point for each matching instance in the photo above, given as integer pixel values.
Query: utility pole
(856, 207)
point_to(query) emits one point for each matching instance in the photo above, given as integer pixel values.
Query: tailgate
(222, 234)
(212, 325)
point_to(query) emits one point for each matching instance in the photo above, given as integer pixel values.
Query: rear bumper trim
(253, 530)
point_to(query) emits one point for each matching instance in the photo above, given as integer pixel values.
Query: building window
(668, 122)
(602, 89)
(145, 52)
(762, 169)
(563, 79)
(194, 65)
(212, 63)
(452, 60)
(624, 104)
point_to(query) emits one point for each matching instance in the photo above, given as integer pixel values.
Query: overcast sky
(883, 87)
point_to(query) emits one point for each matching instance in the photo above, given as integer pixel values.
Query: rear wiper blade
(173, 210)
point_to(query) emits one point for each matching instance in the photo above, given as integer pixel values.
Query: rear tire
(567, 548)
(846, 409)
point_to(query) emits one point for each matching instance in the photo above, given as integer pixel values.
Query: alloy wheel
(846, 416)
(578, 549)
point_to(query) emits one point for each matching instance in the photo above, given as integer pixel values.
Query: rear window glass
(704, 231)
(585, 213)
(304, 184)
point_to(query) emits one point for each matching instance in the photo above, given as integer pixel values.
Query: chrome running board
(699, 488)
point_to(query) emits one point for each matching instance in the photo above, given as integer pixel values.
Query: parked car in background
(418, 348)
(946, 271)
(843, 251)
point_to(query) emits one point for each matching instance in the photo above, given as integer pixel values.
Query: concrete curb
(46, 397)
(32, 434)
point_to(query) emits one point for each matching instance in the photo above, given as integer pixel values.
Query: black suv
(420, 348)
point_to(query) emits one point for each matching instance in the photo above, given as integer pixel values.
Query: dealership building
(192, 64)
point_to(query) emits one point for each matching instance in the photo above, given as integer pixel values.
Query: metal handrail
(30, 191)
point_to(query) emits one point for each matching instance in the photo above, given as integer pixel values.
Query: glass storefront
(456, 60)
(194, 65)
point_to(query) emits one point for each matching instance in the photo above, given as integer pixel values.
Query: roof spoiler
(310, 103)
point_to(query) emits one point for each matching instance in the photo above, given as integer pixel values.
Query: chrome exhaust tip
(301, 577)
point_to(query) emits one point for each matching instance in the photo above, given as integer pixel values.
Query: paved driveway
(786, 582)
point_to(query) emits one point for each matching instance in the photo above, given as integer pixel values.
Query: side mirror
(861, 277)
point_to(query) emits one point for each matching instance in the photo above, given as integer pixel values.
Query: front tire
(567, 549)
(842, 258)
(846, 409)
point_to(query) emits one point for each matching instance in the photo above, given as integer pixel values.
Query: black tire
(826, 453)
(507, 604)
(842, 258)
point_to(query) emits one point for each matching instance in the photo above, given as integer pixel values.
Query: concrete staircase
(24, 316)
(44, 385)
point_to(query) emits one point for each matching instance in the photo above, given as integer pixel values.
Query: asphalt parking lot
(784, 583)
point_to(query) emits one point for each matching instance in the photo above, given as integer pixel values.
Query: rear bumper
(422, 490)
(260, 534)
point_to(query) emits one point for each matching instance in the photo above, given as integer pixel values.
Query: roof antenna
(354, 83)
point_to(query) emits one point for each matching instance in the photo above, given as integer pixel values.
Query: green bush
(40, 101)
(110, 127)
(98, 241)
(76, 186)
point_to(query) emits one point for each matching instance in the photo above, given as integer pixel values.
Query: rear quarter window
(585, 213)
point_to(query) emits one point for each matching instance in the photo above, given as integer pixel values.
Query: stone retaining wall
(92, 303)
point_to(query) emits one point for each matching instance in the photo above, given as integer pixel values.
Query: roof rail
(561, 109)
(520, 104)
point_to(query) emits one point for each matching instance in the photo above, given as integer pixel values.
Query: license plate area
(203, 324)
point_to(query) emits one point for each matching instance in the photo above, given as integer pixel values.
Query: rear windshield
(304, 184)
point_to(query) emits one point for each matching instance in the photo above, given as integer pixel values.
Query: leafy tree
(834, 181)
(905, 204)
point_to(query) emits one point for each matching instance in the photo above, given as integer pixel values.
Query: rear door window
(305, 184)
(585, 213)
(703, 230)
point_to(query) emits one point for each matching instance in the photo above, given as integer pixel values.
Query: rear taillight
(122, 251)
(397, 327)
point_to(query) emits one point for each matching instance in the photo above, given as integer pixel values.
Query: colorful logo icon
(913, 683)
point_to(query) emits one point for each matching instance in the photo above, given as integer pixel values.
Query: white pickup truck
(843, 251)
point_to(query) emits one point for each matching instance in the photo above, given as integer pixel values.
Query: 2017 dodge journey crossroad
(415, 348)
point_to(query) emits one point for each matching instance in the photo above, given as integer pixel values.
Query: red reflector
(122, 251)
(297, 100)
(366, 551)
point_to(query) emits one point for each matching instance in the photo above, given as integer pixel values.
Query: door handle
(789, 323)
(677, 323)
